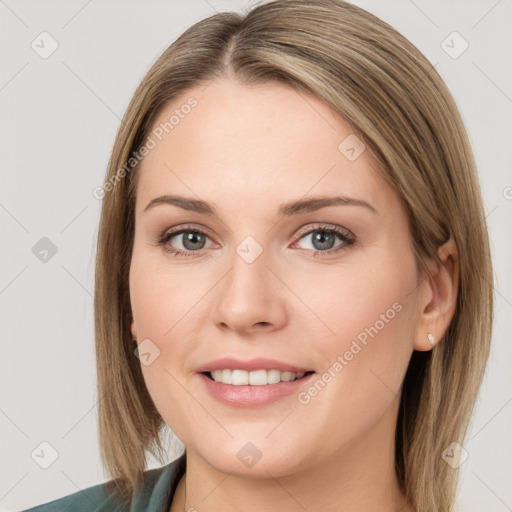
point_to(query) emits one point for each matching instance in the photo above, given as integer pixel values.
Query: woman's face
(262, 277)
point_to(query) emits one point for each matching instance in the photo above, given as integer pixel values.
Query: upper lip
(261, 363)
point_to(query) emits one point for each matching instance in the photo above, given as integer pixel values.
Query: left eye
(323, 240)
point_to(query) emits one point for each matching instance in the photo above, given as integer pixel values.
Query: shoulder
(154, 494)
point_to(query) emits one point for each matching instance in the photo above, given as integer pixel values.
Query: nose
(250, 298)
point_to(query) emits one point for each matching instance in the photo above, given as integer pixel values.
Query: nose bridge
(250, 295)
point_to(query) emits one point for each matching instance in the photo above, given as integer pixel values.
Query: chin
(255, 459)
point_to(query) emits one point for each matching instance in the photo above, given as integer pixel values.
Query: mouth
(261, 377)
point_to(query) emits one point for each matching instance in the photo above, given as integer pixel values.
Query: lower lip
(252, 396)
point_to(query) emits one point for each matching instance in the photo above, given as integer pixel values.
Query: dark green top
(154, 495)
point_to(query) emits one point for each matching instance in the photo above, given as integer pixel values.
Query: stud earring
(430, 337)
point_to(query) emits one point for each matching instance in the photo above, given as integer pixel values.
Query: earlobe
(438, 298)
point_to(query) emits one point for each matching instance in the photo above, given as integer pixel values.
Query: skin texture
(246, 150)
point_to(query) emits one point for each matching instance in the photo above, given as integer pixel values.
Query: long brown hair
(400, 107)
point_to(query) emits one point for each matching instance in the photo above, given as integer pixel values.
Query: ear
(438, 297)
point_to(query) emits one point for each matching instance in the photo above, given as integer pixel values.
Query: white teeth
(225, 375)
(254, 378)
(257, 377)
(273, 376)
(239, 377)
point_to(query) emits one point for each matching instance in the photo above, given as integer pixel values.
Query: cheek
(370, 311)
(368, 300)
(166, 306)
(162, 296)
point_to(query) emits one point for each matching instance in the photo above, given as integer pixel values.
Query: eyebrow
(285, 210)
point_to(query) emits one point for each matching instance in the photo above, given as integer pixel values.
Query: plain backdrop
(59, 116)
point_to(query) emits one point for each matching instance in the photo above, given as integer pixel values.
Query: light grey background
(59, 119)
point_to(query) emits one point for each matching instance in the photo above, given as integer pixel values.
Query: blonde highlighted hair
(399, 106)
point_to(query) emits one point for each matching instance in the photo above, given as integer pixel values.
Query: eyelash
(348, 240)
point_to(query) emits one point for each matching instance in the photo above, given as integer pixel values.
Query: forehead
(244, 147)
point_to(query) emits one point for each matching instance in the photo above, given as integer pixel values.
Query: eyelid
(340, 231)
(301, 232)
(164, 238)
(187, 227)
(324, 226)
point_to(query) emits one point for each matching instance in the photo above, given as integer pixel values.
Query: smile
(253, 378)
(255, 388)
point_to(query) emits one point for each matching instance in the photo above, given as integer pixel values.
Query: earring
(430, 337)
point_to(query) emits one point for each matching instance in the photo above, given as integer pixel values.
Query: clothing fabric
(155, 494)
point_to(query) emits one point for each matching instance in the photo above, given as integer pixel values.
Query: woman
(285, 273)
